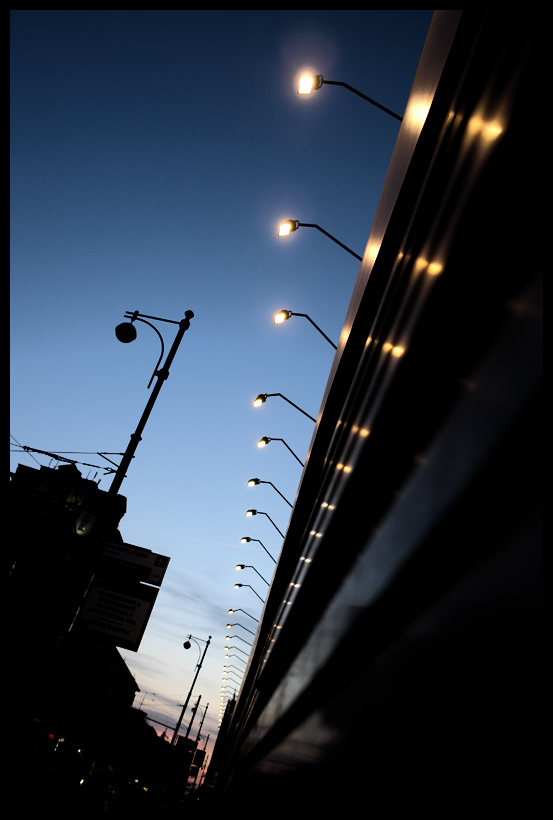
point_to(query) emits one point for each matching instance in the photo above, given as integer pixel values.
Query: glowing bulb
(284, 229)
(306, 85)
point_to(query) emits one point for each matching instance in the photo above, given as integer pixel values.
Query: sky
(153, 156)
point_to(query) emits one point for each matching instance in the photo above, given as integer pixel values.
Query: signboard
(136, 562)
(120, 613)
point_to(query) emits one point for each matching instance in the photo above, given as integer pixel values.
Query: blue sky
(154, 154)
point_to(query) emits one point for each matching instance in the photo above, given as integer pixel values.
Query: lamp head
(259, 400)
(263, 442)
(253, 482)
(309, 83)
(187, 644)
(249, 513)
(240, 566)
(237, 586)
(287, 227)
(126, 332)
(230, 611)
(245, 540)
(282, 316)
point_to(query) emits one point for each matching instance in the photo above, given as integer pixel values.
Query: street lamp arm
(278, 491)
(139, 319)
(293, 405)
(364, 96)
(315, 326)
(295, 456)
(326, 233)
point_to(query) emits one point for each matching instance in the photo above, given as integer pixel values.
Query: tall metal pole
(136, 437)
(199, 666)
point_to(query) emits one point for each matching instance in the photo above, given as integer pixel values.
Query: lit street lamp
(246, 540)
(253, 482)
(262, 398)
(283, 315)
(291, 225)
(266, 439)
(238, 586)
(249, 566)
(312, 82)
(232, 611)
(249, 513)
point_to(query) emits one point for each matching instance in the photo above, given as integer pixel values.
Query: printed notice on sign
(119, 614)
(136, 562)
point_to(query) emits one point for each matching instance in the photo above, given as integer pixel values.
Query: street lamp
(232, 611)
(312, 82)
(253, 482)
(249, 513)
(246, 540)
(286, 228)
(228, 637)
(249, 566)
(266, 439)
(238, 586)
(262, 398)
(126, 332)
(283, 315)
(187, 645)
(228, 648)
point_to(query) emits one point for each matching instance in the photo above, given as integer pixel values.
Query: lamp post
(232, 611)
(266, 439)
(126, 332)
(228, 637)
(243, 627)
(283, 315)
(228, 648)
(246, 539)
(262, 398)
(260, 512)
(187, 645)
(312, 82)
(253, 482)
(238, 586)
(291, 225)
(249, 566)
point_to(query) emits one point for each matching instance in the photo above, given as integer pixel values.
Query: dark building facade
(396, 665)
